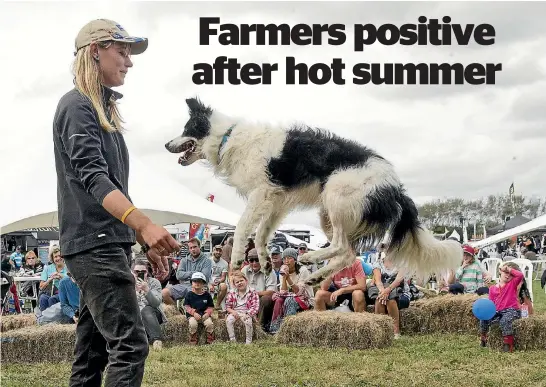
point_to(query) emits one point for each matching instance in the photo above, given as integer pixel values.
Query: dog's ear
(197, 107)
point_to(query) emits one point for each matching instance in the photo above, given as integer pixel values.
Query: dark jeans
(46, 301)
(458, 288)
(505, 318)
(109, 318)
(151, 317)
(265, 312)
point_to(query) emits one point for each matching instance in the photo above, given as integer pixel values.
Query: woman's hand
(384, 295)
(160, 243)
(143, 286)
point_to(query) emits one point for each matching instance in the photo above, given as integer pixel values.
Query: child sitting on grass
(242, 303)
(505, 296)
(199, 306)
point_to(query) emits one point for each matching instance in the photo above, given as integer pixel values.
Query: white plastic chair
(526, 267)
(492, 265)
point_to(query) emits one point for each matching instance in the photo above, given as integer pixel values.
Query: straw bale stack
(337, 329)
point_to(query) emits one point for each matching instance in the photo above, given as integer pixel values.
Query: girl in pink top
(505, 295)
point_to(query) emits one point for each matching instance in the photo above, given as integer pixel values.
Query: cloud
(529, 105)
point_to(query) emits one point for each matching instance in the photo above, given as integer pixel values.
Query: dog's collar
(225, 138)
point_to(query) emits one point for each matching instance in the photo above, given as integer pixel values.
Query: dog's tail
(388, 210)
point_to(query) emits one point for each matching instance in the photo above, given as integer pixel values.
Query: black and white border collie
(359, 196)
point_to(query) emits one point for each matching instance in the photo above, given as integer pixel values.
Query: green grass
(434, 360)
(540, 298)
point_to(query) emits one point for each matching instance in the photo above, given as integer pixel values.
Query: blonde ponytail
(87, 81)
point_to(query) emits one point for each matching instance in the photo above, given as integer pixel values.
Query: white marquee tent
(30, 198)
(532, 225)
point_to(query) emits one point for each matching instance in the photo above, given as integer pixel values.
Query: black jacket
(90, 163)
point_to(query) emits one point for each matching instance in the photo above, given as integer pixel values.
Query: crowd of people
(201, 285)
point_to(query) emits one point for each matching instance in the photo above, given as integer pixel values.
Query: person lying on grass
(199, 307)
(505, 296)
(242, 303)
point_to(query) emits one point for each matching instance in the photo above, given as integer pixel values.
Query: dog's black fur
(198, 125)
(313, 154)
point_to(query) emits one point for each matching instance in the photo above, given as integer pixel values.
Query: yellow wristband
(129, 210)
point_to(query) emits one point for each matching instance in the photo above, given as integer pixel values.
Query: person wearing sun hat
(98, 223)
(469, 277)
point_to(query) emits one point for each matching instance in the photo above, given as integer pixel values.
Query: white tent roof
(30, 197)
(521, 229)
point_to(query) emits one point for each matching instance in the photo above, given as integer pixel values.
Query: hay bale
(47, 343)
(176, 331)
(9, 323)
(529, 334)
(55, 342)
(445, 314)
(171, 311)
(333, 329)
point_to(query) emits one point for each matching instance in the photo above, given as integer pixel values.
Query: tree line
(489, 211)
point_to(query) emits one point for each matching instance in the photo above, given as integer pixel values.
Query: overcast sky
(445, 141)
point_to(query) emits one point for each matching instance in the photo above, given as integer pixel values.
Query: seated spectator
(295, 295)
(347, 284)
(31, 267)
(226, 250)
(302, 249)
(32, 264)
(387, 286)
(242, 303)
(51, 275)
(196, 262)
(265, 285)
(276, 262)
(199, 307)
(218, 285)
(148, 290)
(505, 296)
(69, 296)
(469, 277)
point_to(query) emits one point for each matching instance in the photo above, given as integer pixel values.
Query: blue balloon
(368, 269)
(484, 309)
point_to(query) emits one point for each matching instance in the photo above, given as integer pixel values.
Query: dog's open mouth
(187, 149)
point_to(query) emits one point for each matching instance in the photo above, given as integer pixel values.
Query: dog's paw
(305, 259)
(268, 268)
(313, 281)
(237, 265)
